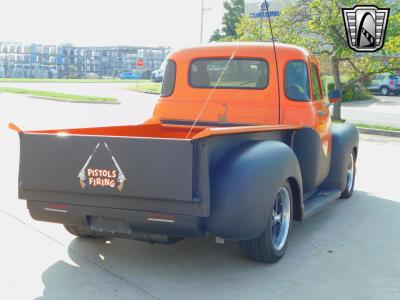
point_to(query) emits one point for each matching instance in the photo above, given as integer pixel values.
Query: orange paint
(14, 127)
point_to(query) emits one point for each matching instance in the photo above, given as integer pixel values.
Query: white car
(158, 75)
(384, 84)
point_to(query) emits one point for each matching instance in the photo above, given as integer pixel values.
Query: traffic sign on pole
(140, 62)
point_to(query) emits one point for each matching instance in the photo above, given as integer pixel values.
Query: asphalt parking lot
(348, 251)
(385, 110)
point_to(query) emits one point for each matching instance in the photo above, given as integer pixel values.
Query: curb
(391, 133)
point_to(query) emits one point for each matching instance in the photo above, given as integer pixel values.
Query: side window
(297, 84)
(315, 82)
(168, 84)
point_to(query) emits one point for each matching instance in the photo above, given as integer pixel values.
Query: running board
(318, 201)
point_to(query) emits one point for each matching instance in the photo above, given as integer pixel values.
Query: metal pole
(261, 24)
(264, 7)
(202, 18)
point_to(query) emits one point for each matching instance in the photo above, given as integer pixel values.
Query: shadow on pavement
(345, 237)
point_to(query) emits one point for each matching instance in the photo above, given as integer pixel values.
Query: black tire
(384, 91)
(350, 179)
(262, 248)
(83, 232)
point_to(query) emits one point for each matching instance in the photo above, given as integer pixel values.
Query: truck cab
(247, 92)
(240, 144)
(243, 85)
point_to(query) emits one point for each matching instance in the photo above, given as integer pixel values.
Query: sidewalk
(386, 111)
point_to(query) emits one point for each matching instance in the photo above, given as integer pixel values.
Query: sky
(174, 23)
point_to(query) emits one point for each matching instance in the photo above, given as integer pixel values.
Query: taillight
(391, 82)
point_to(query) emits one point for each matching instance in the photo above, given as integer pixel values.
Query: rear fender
(244, 185)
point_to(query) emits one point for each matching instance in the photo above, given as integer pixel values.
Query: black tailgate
(122, 167)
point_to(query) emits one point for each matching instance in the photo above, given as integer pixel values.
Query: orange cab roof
(242, 49)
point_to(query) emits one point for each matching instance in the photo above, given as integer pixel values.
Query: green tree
(234, 11)
(318, 26)
(216, 36)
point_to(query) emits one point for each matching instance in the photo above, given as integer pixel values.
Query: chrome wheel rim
(350, 173)
(384, 91)
(280, 218)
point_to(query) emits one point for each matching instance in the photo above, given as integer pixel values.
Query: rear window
(168, 84)
(225, 74)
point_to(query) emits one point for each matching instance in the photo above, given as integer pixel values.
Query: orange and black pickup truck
(240, 144)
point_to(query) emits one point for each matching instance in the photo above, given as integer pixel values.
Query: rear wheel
(350, 177)
(80, 231)
(271, 245)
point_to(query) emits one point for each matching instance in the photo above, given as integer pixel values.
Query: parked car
(91, 76)
(158, 75)
(72, 76)
(232, 168)
(384, 84)
(128, 75)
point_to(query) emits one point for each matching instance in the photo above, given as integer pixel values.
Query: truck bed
(149, 167)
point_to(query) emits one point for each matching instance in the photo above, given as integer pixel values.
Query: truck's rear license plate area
(109, 225)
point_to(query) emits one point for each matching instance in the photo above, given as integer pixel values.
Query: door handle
(321, 113)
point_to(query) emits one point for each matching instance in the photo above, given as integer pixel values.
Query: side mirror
(334, 96)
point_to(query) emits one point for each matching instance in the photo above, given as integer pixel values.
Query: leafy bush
(351, 93)
(330, 87)
(356, 92)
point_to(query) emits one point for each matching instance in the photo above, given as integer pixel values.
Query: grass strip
(152, 88)
(371, 126)
(380, 127)
(58, 96)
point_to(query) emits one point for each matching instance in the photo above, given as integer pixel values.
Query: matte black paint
(314, 164)
(244, 188)
(184, 226)
(154, 168)
(222, 185)
(344, 140)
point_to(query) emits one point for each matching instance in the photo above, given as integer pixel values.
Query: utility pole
(264, 7)
(203, 9)
(202, 19)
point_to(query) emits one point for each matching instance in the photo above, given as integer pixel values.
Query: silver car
(384, 84)
(158, 75)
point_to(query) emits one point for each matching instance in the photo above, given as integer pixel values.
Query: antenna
(266, 5)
